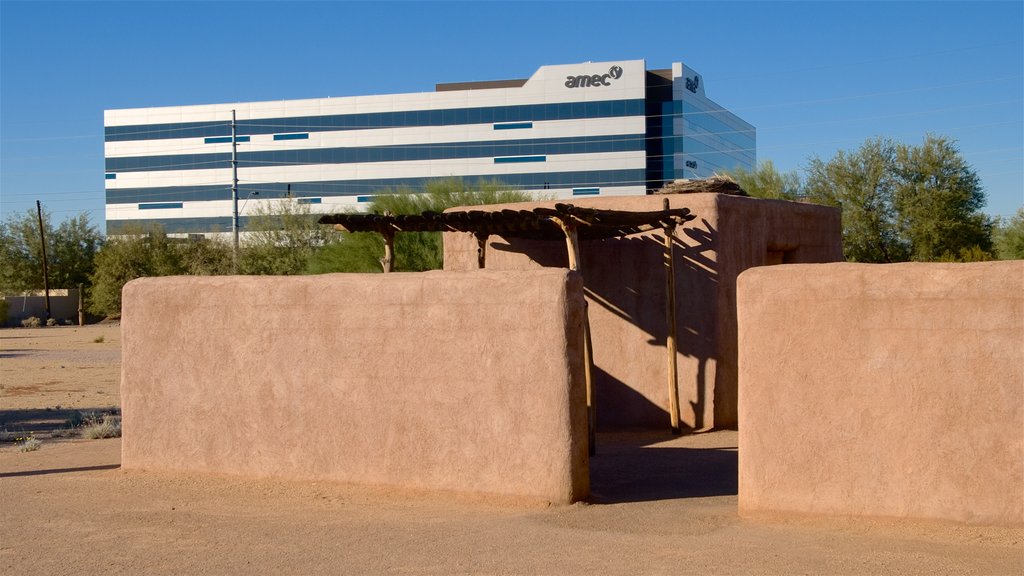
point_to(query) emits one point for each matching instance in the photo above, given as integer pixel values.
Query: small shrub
(31, 322)
(51, 322)
(107, 427)
(98, 340)
(29, 444)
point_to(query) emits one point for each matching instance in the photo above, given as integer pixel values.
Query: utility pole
(46, 274)
(234, 189)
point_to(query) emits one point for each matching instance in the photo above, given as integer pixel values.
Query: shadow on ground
(629, 468)
(46, 420)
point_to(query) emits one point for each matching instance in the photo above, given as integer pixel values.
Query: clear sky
(813, 77)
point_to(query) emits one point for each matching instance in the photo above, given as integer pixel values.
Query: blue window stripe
(585, 191)
(517, 159)
(225, 139)
(364, 189)
(396, 119)
(110, 176)
(309, 200)
(513, 126)
(159, 205)
(535, 147)
(303, 136)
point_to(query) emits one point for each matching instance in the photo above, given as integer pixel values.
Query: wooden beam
(670, 319)
(481, 250)
(388, 261)
(572, 246)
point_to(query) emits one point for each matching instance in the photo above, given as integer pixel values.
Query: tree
(136, 253)
(767, 182)
(147, 251)
(938, 201)
(901, 202)
(1008, 237)
(281, 237)
(414, 251)
(70, 250)
(862, 184)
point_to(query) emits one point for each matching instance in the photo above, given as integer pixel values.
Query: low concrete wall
(63, 306)
(893, 390)
(463, 382)
(625, 284)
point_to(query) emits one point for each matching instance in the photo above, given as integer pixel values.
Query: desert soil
(661, 505)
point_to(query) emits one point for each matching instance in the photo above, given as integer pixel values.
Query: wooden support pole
(481, 250)
(388, 261)
(81, 305)
(573, 248)
(670, 319)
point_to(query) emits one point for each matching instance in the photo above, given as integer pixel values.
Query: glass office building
(597, 128)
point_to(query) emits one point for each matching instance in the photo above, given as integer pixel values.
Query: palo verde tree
(766, 181)
(901, 202)
(1008, 237)
(280, 238)
(414, 251)
(938, 202)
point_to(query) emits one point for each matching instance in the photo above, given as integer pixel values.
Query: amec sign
(585, 81)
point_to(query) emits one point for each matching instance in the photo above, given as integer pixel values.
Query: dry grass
(96, 427)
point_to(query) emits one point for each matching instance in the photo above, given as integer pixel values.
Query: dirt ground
(661, 505)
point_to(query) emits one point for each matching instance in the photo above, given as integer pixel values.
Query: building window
(302, 136)
(111, 175)
(585, 191)
(159, 205)
(513, 126)
(364, 198)
(517, 159)
(309, 200)
(224, 139)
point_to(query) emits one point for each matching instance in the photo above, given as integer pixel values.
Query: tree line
(899, 203)
(281, 237)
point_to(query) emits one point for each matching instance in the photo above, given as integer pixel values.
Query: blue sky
(813, 77)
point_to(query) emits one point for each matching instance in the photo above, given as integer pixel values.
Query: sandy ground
(661, 505)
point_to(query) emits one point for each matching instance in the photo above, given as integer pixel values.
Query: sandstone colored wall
(625, 282)
(884, 390)
(467, 382)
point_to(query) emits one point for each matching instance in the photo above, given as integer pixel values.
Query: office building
(596, 128)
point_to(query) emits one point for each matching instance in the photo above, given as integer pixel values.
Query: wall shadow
(625, 277)
(628, 469)
(59, 471)
(45, 420)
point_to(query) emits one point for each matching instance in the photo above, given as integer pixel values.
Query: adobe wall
(625, 281)
(883, 390)
(437, 381)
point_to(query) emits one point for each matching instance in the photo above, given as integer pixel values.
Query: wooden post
(573, 249)
(670, 319)
(388, 261)
(481, 250)
(81, 305)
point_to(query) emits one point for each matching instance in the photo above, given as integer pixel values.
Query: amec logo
(585, 81)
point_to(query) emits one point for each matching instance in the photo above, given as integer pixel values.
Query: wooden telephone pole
(46, 274)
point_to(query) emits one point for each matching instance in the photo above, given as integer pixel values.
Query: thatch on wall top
(714, 185)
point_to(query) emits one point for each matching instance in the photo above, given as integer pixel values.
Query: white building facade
(608, 128)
